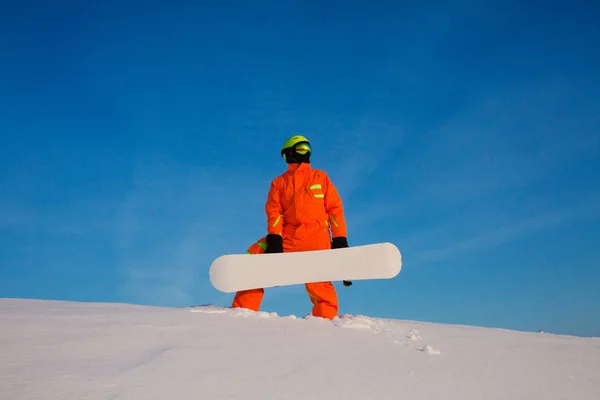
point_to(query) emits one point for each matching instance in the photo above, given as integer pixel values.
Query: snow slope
(61, 350)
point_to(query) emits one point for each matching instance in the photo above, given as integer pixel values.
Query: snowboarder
(304, 212)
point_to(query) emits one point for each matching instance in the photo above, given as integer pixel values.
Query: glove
(274, 243)
(339, 242)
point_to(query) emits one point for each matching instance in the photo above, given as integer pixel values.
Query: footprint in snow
(354, 322)
(413, 334)
(430, 350)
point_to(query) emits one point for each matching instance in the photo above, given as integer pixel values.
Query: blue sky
(139, 140)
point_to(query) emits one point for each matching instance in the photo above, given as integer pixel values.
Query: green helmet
(298, 146)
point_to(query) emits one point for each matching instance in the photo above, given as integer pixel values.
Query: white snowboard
(233, 272)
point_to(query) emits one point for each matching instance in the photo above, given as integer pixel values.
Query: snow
(66, 350)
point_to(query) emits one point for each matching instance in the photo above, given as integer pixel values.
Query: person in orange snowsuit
(304, 212)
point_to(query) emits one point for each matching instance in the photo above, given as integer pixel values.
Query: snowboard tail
(234, 272)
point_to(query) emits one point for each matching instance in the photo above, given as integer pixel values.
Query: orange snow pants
(322, 295)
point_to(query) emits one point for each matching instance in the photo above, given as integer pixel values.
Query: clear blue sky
(138, 141)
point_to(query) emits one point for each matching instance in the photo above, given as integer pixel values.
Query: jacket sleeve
(274, 210)
(335, 210)
(258, 247)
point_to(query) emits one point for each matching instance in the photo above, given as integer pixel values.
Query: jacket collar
(293, 168)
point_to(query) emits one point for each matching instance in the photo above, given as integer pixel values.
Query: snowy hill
(61, 350)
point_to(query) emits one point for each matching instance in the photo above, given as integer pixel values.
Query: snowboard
(234, 272)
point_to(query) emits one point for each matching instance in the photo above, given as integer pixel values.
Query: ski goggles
(302, 148)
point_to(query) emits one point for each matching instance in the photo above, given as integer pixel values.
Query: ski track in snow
(410, 338)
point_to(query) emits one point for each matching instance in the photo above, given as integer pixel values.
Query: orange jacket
(304, 197)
